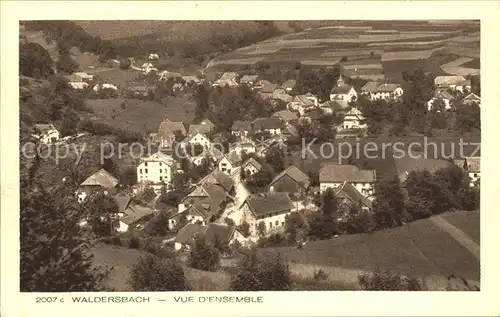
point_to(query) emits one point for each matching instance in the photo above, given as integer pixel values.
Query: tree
(204, 256)
(101, 210)
(276, 159)
(245, 229)
(125, 63)
(55, 256)
(66, 64)
(261, 228)
(35, 61)
(69, 124)
(128, 176)
(270, 273)
(296, 226)
(153, 274)
(389, 206)
(258, 182)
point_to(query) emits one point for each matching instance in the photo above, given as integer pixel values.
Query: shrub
(387, 281)
(268, 274)
(245, 229)
(320, 275)
(154, 274)
(204, 256)
(134, 243)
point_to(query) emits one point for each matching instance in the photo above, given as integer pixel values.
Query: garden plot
(320, 62)
(240, 61)
(362, 66)
(408, 55)
(345, 52)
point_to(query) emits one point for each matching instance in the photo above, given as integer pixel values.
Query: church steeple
(340, 81)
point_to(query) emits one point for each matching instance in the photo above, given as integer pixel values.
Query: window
(161, 178)
(146, 171)
(160, 170)
(140, 171)
(283, 223)
(146, 164)
(160, 165)
(277, 223)
(270, 224)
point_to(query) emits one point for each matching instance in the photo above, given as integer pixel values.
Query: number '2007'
(46, 299)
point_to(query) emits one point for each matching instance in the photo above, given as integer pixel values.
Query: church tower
(340, 81)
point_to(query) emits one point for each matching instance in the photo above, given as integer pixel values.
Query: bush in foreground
(262, 274)
(388, 281)
(204, 256)
(152, 274)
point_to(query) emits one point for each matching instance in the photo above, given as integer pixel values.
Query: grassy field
(139, 115)
(468, 222)
(412, 43)
(410, 250)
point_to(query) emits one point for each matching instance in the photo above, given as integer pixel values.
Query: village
(220, 205)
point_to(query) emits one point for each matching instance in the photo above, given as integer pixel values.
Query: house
(148, 67)
(354, 119)
(99, 181)
(194, 214)
(349, 198)
(388, 91)
(241, 128)
(286, 116)
(157, 169)
(193, 80)
(79, 85)
(312, 115)
(472, 166)
(251, 166)
(205, 127)
(313, 98)
(270, 209)
(139, 91)
(407, 164)
(335, 106)
(267, 90)
(375, 90)
(113, 63)
(98, 87)
(186, 235)
(280, 94)
(83, 76)
(134, 215)
(458, 83)
(291, 180)
(213, 197)
(46, 133)
(249, 80)
(472, 98)
(343, 91)
(334, 175)
(177, 87)
(271, 125)
(219, 178)
(229, 162)
(245, 145)
(228, 79)
(166, 75)
(153, 57)
(226, 235)
(441, 95)
(197, 138)
(167, 131)
(300, 104)
(289, 85)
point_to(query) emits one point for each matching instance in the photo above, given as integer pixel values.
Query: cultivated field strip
(454, 68)
(408, 55)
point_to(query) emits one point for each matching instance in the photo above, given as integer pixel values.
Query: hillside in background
(371, 50)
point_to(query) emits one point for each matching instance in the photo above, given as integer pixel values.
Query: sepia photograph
(259, 155)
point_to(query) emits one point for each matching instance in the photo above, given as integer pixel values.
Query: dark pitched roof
(242, 126)
(341, 90)
(206, 126)
(223, 232)
(387, 87)
(349, 192)
(101, 178)
(123, 202)
(167, 128)
(218, 177)
(336, 173)
(188, 232)
(285, 115)
(268, 87)
(294, 173)
(303, 100)
(252, 161)
(265, 204)
(290, 83)
(44, 128)
(233, 157)
(135, 213)
(267, 123)
(314, 113)
(370, 86)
